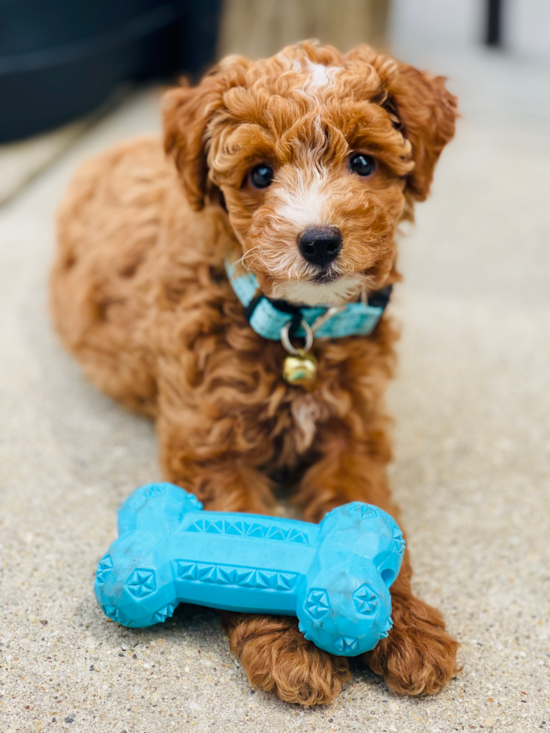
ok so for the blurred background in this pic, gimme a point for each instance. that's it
(63, 62)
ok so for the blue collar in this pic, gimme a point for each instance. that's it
(269, 317)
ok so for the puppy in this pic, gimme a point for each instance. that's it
(289, 175)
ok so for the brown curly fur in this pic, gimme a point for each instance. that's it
(140, 296)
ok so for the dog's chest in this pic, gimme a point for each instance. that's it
(306, 412)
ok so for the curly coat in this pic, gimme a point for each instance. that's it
(140, 296)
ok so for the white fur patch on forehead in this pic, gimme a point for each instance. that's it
(306, 203)
(320, 77)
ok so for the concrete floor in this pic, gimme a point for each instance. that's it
(472, 467)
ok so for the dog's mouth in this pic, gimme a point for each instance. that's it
(325, 277)
(322, 289)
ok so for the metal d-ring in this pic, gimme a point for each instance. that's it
(285, 338)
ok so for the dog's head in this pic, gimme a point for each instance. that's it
(316, 156)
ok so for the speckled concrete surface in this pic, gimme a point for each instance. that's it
(472, 468)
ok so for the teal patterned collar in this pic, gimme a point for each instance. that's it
(270, 318)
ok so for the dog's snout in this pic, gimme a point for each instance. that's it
(320, 245)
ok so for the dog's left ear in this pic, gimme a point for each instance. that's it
(425, 112)
(428, 113)
(188, 113)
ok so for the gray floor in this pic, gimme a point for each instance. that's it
(472, 464)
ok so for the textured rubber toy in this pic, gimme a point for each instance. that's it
(334, 575)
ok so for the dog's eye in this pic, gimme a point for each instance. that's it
(362, 164)
(261, 176)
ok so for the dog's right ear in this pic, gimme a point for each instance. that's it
(188, 113)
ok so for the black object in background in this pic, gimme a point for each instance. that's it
(493, 34)
(60, 59)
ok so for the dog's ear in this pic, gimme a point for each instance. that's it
(428, 114)
(421, 108)
(188, 113)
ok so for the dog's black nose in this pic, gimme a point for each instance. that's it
(320, 245)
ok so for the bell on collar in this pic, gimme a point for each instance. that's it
(300, 369)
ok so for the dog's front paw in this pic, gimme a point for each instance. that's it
(418, 656)
(276, 657)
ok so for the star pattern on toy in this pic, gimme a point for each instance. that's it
(346, 644)
(365, 600)
(387, 628)
(231, 575)
(141, 582)
(104, 569)
(154, 490)
(317, 603)
(115, 614)
(362, 510)
(248, 529)
(398, 537)
(163, 613)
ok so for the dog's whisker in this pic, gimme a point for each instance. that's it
(243, 260)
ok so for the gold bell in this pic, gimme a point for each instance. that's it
(300, 369)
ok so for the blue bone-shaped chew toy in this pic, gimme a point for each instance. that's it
(334, 575)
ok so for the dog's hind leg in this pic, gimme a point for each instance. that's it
(108, 227)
